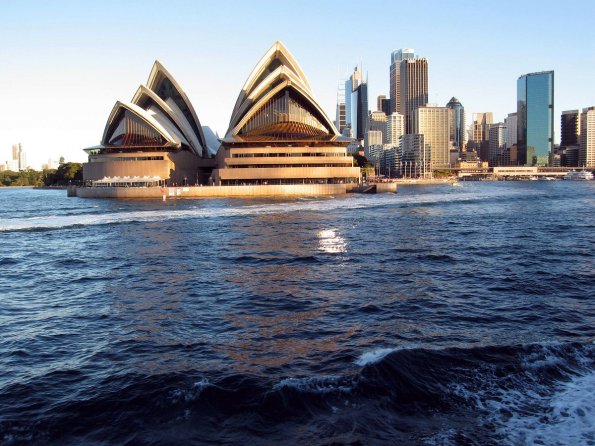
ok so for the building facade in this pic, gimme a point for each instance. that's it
(511, 129)
(569, 128)
(497, 144)
(535, 115)
(587, 138)
(457, 123)
(413, 89)
(396, 58)
(480, 129)
(434, 123)
(395, 128)
(414, 156)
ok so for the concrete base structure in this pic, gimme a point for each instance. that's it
(276, 190)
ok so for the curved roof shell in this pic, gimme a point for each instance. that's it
(276, 72)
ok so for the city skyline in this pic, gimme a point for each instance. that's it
(65, 63)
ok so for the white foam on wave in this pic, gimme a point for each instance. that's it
(186, 395)
(314, 204)
(374, 356)
(314, 384)
(569, 417)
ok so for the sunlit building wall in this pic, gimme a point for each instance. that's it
(535, 114)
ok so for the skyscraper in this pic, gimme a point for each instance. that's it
(569, 128)
(497, 143)
(383, 104)
(458, 122)
(340, 120)
(394, 128)
(511, 129)
(434, 124)
(587, 138)
(480, 133)
(395, 75)
(535, 114)
(413, 91)
(19, 157)
(377, 122)
(358, 104)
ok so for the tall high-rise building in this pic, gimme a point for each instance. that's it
(358, 105)
(497, 143)
(458, 122)
(19, 156)
(535, 114)
(16, 148)
(395, 128)
(377, 122)
(340, 120)
(413, 89)
(351, 84)
(434, 123)
(511, 129)
(383, 104)
(569, 128)
(395, 76)
(587, 138)
(480, 133)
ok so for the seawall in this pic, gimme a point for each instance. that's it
(212, 191)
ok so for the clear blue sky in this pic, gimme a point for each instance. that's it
(65, 63)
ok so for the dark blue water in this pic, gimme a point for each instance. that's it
(440, 315)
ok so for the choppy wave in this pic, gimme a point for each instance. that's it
(526, 394)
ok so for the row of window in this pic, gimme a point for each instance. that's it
(275, 155)
(272, 166)
(288, 181)
(126, 158)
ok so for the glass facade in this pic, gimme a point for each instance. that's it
(535, 114)
(285, 116)
(132, 131)
(458, 124)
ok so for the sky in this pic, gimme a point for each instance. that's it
(64, 64)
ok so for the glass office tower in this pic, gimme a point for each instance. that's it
(535, 115)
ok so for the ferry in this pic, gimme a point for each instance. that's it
(581, 175)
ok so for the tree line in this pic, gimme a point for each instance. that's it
(65, 174)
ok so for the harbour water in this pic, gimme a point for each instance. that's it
(440, 315)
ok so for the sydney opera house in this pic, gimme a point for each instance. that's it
(278, 135)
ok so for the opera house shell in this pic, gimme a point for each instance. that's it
(157, 136)
(278, 135)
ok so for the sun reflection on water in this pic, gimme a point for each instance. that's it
(329, 241)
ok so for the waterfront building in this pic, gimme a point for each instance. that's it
(377, 122)
(535, 114)
(511, 129)
(570, 128)
(389, 161)
(414, 156)
(396, 58)
(373, 138)
(457, 129)
(413, 89)
(395, 127)
(341, 112)
(279, 134)
(497, 144)
(434, 123)
(156, 135)
(587, 138)
(480, 133)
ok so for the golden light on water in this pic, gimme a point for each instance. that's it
(329, 241)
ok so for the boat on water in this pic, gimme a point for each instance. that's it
(579, 175)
